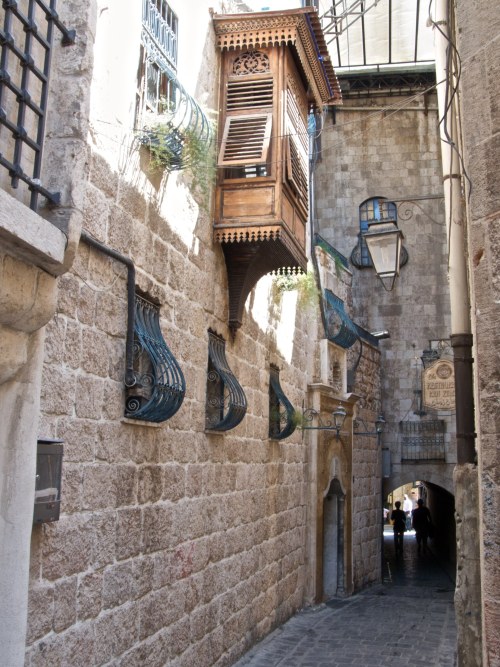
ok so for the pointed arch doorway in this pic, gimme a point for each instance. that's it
(333, 541)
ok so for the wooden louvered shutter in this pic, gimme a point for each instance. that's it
(245, 140)
(296, 169)
(296, 149)
(248, 123)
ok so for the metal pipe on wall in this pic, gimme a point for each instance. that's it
(461, 335)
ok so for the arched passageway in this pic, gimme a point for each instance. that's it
(441, 504)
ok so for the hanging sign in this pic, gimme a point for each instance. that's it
(438, 382)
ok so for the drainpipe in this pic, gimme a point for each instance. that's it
(461, 335)
(130, 379)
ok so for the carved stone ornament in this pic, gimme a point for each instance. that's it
(251, 62)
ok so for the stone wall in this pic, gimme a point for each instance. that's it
(480, 122)
(175, 545)
(389, 147)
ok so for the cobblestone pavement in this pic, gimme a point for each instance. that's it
(407, 620)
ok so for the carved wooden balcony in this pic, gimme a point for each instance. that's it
(275, 69)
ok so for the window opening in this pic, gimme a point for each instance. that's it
(25, 55)
(226, 402)
(281, 412)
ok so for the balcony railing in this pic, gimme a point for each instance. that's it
(160, 32)
(25, 55)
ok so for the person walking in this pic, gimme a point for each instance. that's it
(407, 509)
(422, 524)
(398, 518)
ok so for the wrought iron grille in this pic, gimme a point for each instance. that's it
(226, 401)
(158, 387)
(177, 125)
(26, 43)
(282, 421)
(423, 440)
(341, 330)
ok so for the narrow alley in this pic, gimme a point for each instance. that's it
(408, 620)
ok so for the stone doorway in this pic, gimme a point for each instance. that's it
(333, 541)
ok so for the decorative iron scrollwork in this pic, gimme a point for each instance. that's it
(341, 330)
(226, 401)
(156, 390)
(282, 422)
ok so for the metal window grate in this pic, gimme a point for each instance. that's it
(25, 55)
(282, 421)
(423, 440)
(158, 387)
(226, 401)
(341, 330)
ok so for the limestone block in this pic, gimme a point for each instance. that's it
(113, 443)
(128, 533)
(103, 538)
(174, 482)
(71, 490)
(66, 547)
(89, 596)
(150, 484)
(89, 397)
(58, 391)
(120, 230)
(118, 584)
(40, 612)
(158, 527)
(111, 313)
(159, 609)
(27, 295)
(144, 576)
(116, 632)
(65, 603)
(79, 437)
(95, 212)
(94, 352)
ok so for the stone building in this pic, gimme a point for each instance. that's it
(199, 511)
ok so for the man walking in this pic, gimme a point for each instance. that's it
(422, 524)
(398, 518)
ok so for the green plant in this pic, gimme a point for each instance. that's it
(305, 284)
(173, 149)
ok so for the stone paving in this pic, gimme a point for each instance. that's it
(407, 620)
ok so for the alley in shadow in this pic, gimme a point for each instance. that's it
(407, 620)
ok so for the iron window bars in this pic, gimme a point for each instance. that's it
(156, 388)
(226, 401)
(24, 78)
(423, 440)
(282, 422)
(177, 117)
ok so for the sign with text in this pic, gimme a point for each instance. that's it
(438, 382)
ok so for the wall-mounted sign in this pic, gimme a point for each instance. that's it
(438, 383)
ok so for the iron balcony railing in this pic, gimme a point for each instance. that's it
(25, 57)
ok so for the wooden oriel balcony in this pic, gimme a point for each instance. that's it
(271, 78)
